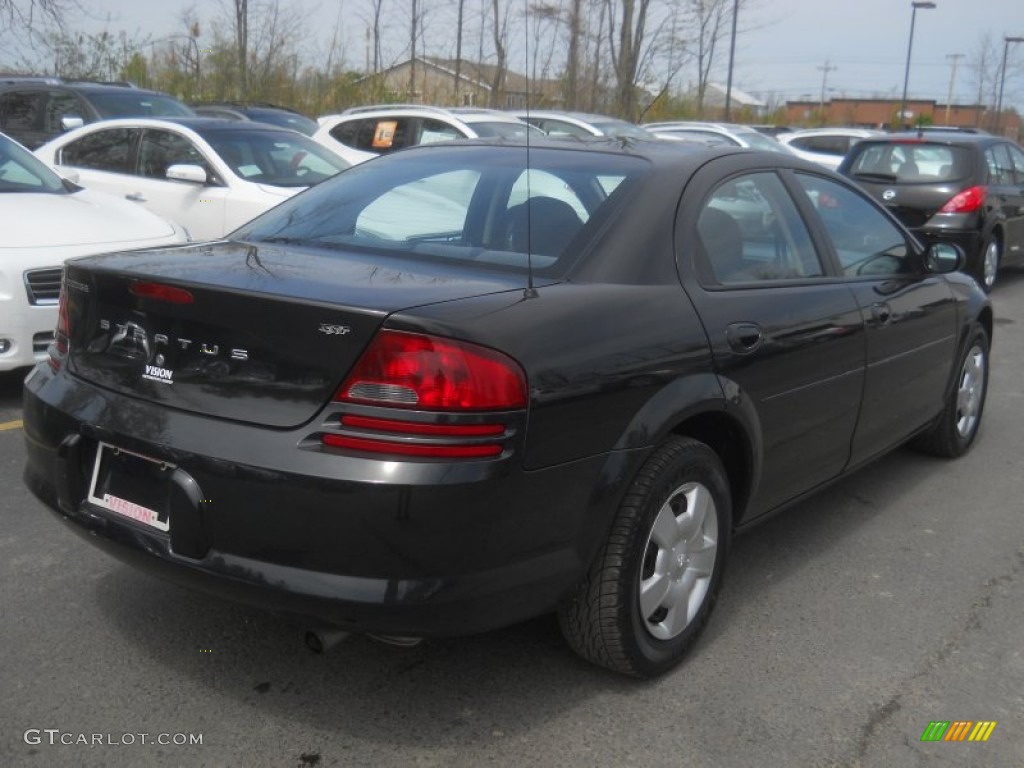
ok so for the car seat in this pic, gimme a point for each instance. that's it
(723, 243)
(545, 228)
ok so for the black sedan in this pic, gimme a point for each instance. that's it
(468, 384)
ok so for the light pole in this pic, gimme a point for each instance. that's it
(732, 56)
(1002, 77)
(910, 45)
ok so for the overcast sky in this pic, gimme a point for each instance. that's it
(782, 48)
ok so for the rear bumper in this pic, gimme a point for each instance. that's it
(422, 556)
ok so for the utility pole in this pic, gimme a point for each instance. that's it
(955, 57)
(824, 79)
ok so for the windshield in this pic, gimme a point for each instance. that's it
(277, 158)
(299, 123)
(622, 128)
(133, 103)
(756, 140)
(473, 205)
(21, 171)
(504, 129)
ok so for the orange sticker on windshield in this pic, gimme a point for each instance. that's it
(384, 136)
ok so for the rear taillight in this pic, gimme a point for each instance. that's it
(412, 370)
(968, 201)
(461, 393)
(59, 348)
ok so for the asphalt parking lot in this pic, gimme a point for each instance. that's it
(847, 625)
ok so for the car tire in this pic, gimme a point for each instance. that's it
(989, 261)
(669, 540)
(954, 431)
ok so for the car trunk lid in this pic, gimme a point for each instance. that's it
(256, 334)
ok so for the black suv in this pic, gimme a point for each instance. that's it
(260, 113)
(34, 110)
(965, 188)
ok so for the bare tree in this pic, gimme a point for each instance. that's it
(710, 22)
(572, 60)
(27, 14)
(499, 29)
(458, 50)
(984, 62)
(627, 35)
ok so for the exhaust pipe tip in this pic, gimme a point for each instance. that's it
(322, 640)
(396, 640)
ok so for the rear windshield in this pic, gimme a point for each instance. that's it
(476, 205)
(918, 162)
(132, 103)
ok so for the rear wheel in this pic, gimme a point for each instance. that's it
(991, 255)
(957, 426)
(651, 589)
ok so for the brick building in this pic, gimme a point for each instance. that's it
(881, 113)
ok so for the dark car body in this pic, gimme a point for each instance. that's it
(35, 110)
(251, 377)
(261, 113)
(945, 186)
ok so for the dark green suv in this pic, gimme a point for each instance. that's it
(34, 110)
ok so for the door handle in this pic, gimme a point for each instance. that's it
(744, 337)
(881, 312)
(135, 197)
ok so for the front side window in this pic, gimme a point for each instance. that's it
(106, 150)
(159, 150)
(751, 231)
(866, 242)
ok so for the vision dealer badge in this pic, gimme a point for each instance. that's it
(156, 373)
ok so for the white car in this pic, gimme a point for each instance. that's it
(361, 133)
(45, 221)
(825, 146)
(580, 124)
(209, 175)
(716, 135)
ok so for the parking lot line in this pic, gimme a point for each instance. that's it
(6, 425)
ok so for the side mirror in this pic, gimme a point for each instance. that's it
(69, 123)
(67, 173)
(942, 258)
(191, 173)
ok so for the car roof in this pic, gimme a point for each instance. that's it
(833, 130)
(85, 86)
(938, 137)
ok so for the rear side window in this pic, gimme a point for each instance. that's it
(1000, 166)
(751, 230)
(21, 111)
(910, 162)
(377, 134)
(108, 150)
(827, 145)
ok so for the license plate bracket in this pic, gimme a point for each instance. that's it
(132, 486)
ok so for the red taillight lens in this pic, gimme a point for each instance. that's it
(59, 349)
(413, 370)
(422, 429)
(968, 201)
(160, 292)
